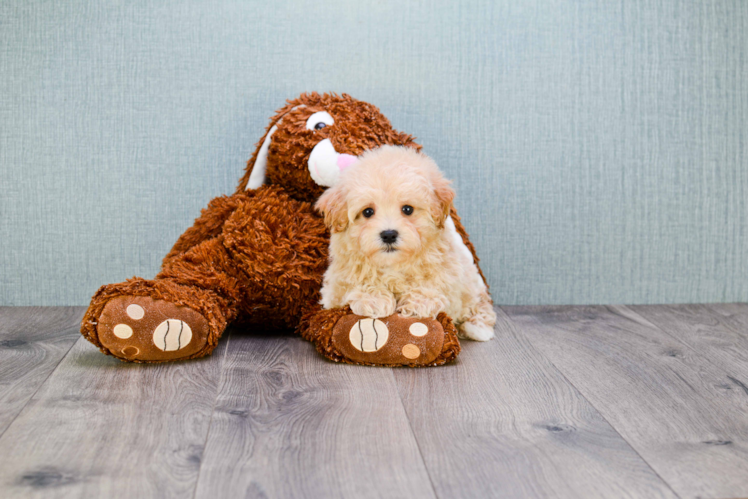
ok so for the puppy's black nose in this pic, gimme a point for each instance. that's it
(389, 236)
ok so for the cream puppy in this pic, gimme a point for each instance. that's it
(394, 247)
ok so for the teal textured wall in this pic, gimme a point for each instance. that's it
(598, 148)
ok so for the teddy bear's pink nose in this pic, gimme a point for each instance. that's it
(345, 161)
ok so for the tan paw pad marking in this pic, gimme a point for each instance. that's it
(135, 311)
(411, 351)
(172, 335)
(130, 351)
(418, 329)
(122, 331)
(369, 335)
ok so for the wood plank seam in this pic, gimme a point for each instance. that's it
(581, 392)
(507, 424)
(282, 409)
(412, 432)
(596, 330)
(41, 385)
(212, 411)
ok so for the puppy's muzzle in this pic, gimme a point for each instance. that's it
(389, 236)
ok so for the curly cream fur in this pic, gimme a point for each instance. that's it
(426, 271)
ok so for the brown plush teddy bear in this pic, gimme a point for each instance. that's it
(258, 257)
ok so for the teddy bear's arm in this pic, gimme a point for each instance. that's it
(207, 226)
(278, 240)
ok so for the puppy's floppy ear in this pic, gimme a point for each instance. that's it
(444, 197)
(333, 206)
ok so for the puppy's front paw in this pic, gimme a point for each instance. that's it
(420, 306)
(475, 331)
(372, 306)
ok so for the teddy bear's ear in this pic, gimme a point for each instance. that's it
(445, 195)
(254, 175)
(333, 206)
(257, 174)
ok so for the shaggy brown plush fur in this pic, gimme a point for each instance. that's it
(258, 256)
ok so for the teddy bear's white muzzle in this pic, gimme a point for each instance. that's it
(325, 164)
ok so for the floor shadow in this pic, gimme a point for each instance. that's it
(250, 330)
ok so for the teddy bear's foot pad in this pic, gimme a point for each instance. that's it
(144, 329)
(390, 341)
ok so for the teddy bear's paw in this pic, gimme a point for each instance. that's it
(145, 329)
(391, 341)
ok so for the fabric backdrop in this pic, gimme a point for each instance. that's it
(598, 148)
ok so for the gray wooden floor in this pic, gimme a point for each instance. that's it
(647, 401)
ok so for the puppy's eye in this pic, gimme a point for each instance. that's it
(407, 210)
(368, 212)
(319, 126)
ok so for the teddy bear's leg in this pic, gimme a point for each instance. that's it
(179, 315)
(340, 335)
